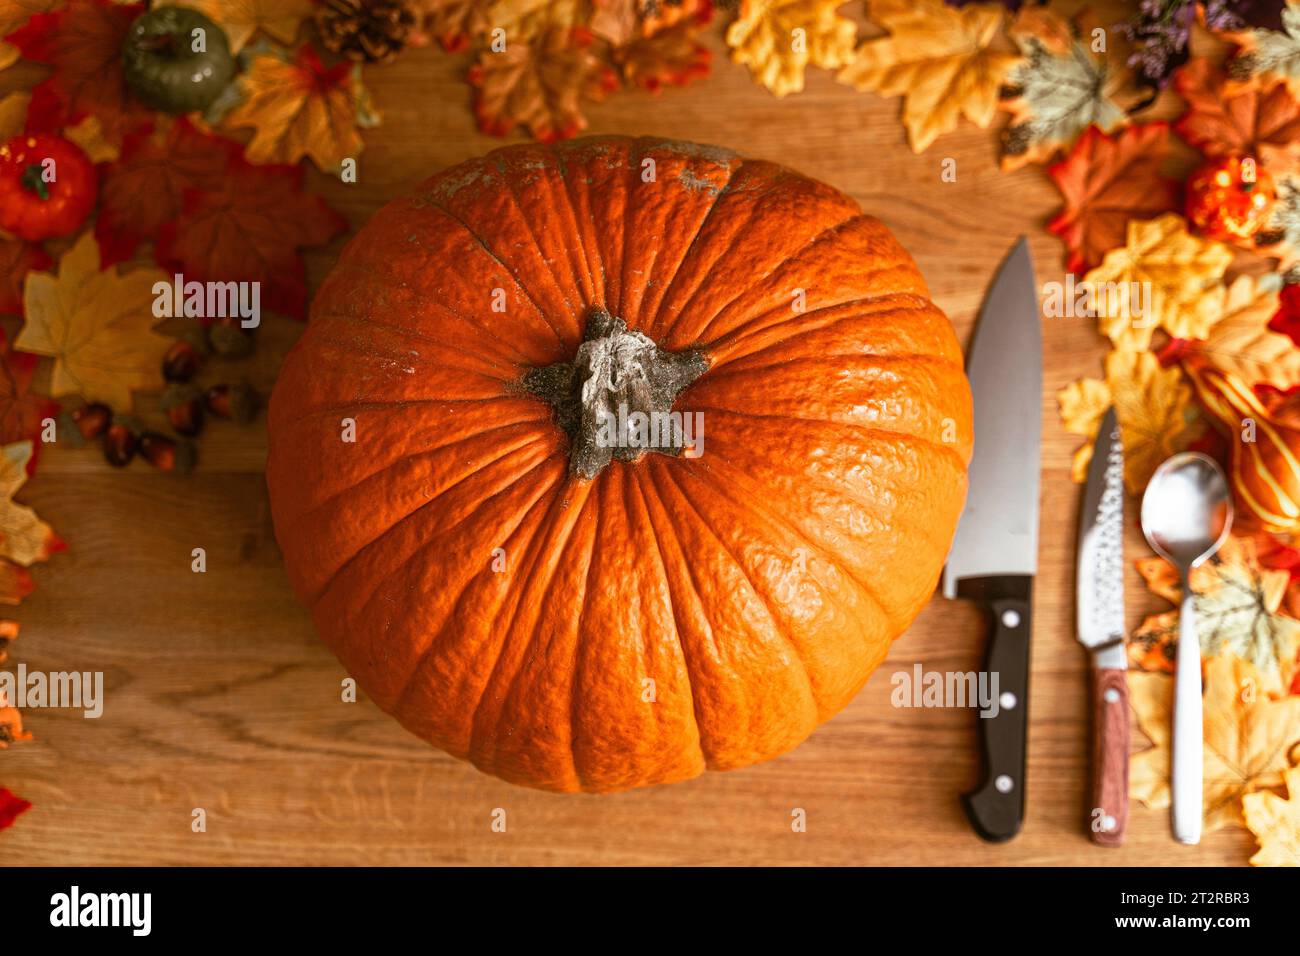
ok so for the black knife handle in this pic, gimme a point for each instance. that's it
(997, 806)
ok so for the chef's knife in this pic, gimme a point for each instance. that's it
(995, 553)
(1099, 605)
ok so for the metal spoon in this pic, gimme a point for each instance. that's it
(1186, 514)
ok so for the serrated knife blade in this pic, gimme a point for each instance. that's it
(1099, 574)
(1099, 613)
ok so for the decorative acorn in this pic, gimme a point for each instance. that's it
(167, 454)
(119, 445)
(184, 407)
(1230, 199)
(368, 31)
(238, 403)
(92, 420)
(1265, 455)
(181, 362)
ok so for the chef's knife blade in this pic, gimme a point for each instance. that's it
(1099, 608)
(995, 553)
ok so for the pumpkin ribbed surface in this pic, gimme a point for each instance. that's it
(671, 613)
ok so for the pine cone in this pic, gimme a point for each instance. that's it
(372, 31)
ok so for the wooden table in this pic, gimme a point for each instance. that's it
(220, 697)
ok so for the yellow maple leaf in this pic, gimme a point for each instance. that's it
(1275, 823)
(940, 59)
(525, 19)
(778, 39)
(24, 538)
(298, 108)
(1153, 406)
(1083, 404)
(97, 326)
(240, 19)
(1163, 276)
(1237, 602)
(1248, 737)
(1241, 342)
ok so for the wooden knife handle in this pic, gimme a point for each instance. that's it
(1108, 811)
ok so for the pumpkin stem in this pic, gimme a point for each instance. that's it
(616, 374)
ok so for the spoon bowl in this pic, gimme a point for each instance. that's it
(1186, 516)
(1187, 509)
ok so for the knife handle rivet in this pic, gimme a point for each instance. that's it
(1007, 700)
(1010, 618)
(1004, 783)
(1108, 823)
(1111, 696)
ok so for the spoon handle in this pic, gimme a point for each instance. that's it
(1188, 754)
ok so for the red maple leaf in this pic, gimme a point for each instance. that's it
(83, 43)
(21, 409)
(11, 808)
(1287, 318)
(17, 258)
(145, 188)
(1106, 181)
(249, 229)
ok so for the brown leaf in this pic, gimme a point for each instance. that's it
(1225, 119)
(1242, 344)
(539, 85)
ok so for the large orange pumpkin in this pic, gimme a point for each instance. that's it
(574, 616)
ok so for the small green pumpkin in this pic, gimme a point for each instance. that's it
(177, 60)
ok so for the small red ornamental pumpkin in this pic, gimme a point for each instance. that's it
(516, 577)
(1230, 199)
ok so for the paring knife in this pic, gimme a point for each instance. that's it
(1100, 618)
(995, 553)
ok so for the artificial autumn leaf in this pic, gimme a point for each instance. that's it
(11, 806)
(1182, 272)
(15, 13)
(1269, 53)
(146, 187)
(1153, 406)
(1275, 822)
(21, 409)
(13, 115)
(1237, 603)
(11, 731)
(764, 38)
(83, 44)
(8, 634)
(299, 108)
(240, 19)
(527, 19)
(97, 326)
(1242, 343)
(939, 59)
(1280, 235)
(248, 227)
(1061, 88)
(1083, 404)
(15, 583)
(89, 135)
(1247, 738)
(539, 85)
(453, 23)
(1108, 181)
(1226, 119)
(668, 56)
(24, 538)
(17, 258)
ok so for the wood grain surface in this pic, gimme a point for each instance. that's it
(220, 697)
